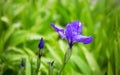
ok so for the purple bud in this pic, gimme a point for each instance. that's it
(41, 44)
(22, 63)
(52, 63)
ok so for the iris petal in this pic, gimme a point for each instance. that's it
(60, 31)
(77, 27)
(68, 33)
(84, 39)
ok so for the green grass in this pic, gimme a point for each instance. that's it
(24, 22)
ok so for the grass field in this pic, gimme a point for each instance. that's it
(24, 22)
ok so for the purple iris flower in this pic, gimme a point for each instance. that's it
(73, 33)
(41, 44)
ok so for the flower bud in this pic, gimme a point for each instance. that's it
(41, 44)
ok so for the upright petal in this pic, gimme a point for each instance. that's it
(68, 33)
(77, 27)
(59, 31)
(84, 39)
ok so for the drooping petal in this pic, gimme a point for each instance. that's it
(60, 31)
(77, 27)
(84, 39)
(68, 33)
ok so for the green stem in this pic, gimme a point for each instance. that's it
(66, 58)
(38, 62)
(22, 71)
(50, 71)
(61, 69)
(51, 68)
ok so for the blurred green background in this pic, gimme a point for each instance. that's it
(24, 22)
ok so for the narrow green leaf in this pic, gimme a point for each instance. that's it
(53, 53)
(92, 62)
(27, 67)
(82, 65)
(110, 69)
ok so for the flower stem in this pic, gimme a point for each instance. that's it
(51, 68)
(38, 62)
(22, 71)
(66, 58)
(22, 67)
